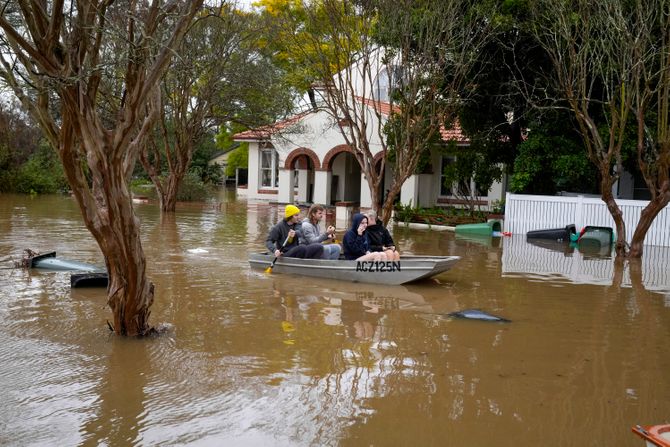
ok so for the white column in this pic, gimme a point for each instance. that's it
(409, 192)
(322, 181)
(253, 181)
(285, 186)
(303, 185)
(365, 198)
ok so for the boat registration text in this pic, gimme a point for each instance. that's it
(377, 266)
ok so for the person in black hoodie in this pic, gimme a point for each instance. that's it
(355, 244)
(283, 239)
(379, 238)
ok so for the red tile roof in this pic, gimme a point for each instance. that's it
(265, 132)
(453, 134)
(383, 107)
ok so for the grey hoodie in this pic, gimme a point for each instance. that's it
(311, 233)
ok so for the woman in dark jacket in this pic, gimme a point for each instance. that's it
(355, 243)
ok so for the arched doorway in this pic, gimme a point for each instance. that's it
(302, 162)
(346, 175)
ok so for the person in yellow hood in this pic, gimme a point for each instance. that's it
(283, 239)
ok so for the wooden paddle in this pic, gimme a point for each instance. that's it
(269, 269)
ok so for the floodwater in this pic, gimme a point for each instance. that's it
(257, 359)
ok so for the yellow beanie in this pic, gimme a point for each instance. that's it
(291, 210)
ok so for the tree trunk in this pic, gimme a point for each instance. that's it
(647, 217)
(110, 217)
(59, 54)
(374, 194)
(387, 208)
(168, 197)
(615, 212)
(129, 293)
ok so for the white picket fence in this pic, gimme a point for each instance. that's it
(524, 213)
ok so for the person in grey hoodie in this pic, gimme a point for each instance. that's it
(311, 233)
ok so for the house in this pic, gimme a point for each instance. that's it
(305, 159)
(220, 158)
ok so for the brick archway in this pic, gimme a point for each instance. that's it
(296, 154)
(328, 159)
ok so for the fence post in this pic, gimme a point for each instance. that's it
(579, 213)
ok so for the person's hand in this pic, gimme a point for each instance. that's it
(277, 253)
(330, 230)
(361, 229)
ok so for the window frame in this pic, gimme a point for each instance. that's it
(272, 169)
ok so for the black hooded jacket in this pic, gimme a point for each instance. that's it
(378, 236)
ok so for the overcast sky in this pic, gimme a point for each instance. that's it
(245, 4)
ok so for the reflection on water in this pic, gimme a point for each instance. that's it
(542, 259)
(271, 359)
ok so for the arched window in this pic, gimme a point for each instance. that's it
(385, 82)
(382, 85)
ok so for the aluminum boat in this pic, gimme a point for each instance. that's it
(407, 269)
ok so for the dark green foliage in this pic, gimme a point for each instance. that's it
(19, 141)
(475, 162)
(238, 158)
(201, 156)
(42, 173)
(552, 158)
(192, 188)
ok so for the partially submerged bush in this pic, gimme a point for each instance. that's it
(192, 188)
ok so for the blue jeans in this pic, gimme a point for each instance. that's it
(311, 251)
(331, 251)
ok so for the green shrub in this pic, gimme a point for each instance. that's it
(41, 174)
(192, 188)
(405, 213)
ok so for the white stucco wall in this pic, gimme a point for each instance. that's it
(429, 187)
(318, 132)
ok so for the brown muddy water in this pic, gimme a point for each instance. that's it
(257, 359)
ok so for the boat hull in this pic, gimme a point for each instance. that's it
(654, 435)
(407, 269)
